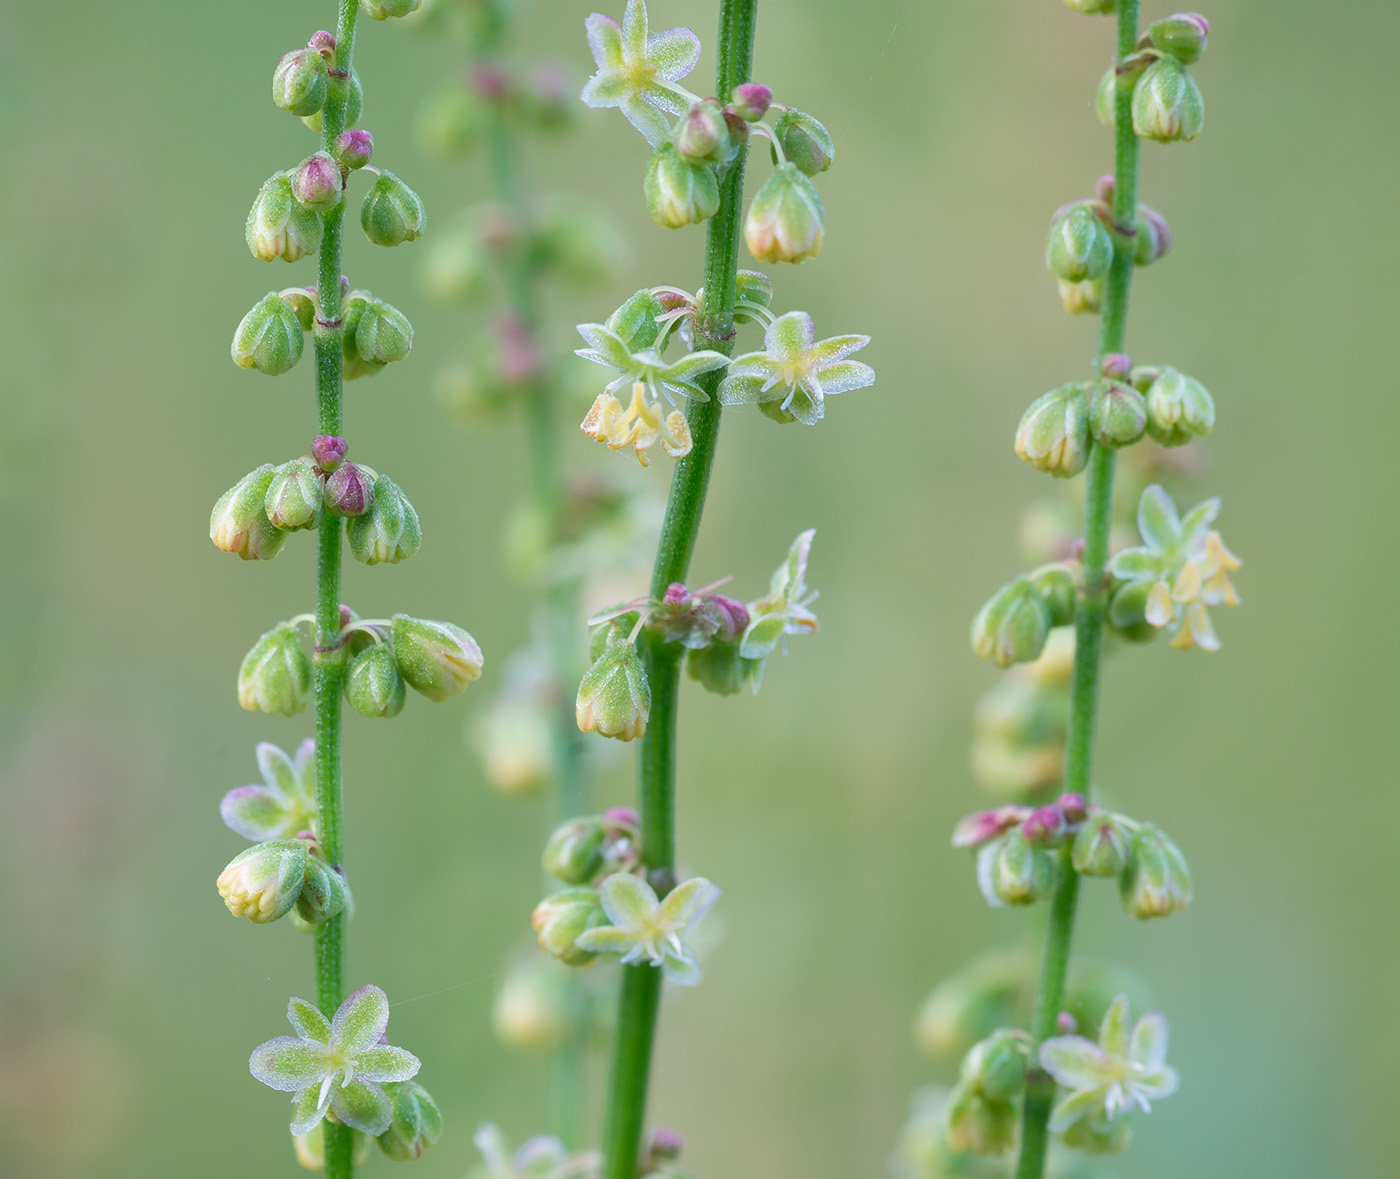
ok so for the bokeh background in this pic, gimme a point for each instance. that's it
(134, 138)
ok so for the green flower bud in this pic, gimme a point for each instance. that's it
(1183, 35)
(786, 220)
(1093, 7)
(264, 882)
(719, 668)
(614, 697)
(391, 212)
(1021, 873)
(324, 892)
(300, 84)
(1059, 586)
(574, 852)
(1127, 611)
(532, 1008)
(382, 333)
(1082, 298)
(277, 226)
(303, 307)
(1167, 103)
(753, 287)
(293, 498)
(1117, 413)
(416, 1122)
(635, 321)
(353, 365)
(702, 135)
(1013, 625)
(269, 338)
(606, 634)
(354, 105)
(1154, 236)
(1079, 246)
(804, 141)
(275, 676)
(678, 191)
(1157, 880)
(1053, 435)
(996, 1067)
(1102, 846)
(436, 658)
(1105, 96)
(239, 524)
(1099, 1134)
(561, 917)
(373, 686)
(1178, 408)
(389, 531)
(384, 9)
(977, 1125)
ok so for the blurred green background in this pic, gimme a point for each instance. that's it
(135, 137)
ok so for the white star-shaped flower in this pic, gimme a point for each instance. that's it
(637, 71)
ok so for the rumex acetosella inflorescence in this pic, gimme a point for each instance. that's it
(1053, 1062)
(347, 1084)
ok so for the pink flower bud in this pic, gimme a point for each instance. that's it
(353, 148)
(1045, 827)
(751, 101)
(317, 182)
(490, 80)
(676, 596)
(348, 491)
(1116, 366)
(1073, 807)
(329, 451)
(324, 44)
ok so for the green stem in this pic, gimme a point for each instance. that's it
(1088, 620)
(714, 328)
(329, 662)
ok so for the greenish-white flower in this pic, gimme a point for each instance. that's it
(284, 804)
(645, 929)
(786, 610)
(796, 370)
(541, 1157)
(637, 71)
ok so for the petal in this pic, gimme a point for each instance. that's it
(1078, 1104)
(684, 392)
(681, 969)
(1149, 1044)
(806, 404)
(1198, 520)
(692, 364)
(1157, 520)
(634, 31)
(836, 348)
(608, 344)
(762, 636)
(605, 40)
(790, 337)
(1158, 1083)
(278, 770)
(647, 119)
(308, 1109)
(385, 1063)
(790, 578)
(606, 939)
(1138, 564)
(288, 1063)
(673, 53)
(687, 903)
(740, 391)
(986, 861)
(753, 364)
(308, 1022)
(1075, 1062)
(257, 813)
(628, 901)
(492, 1145)
(842, 378)
(602, 91)
(1113, 1032)
(361, 1020)
(363, 1106)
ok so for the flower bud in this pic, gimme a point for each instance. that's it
(389, 531)
(275, 676)
(1157, 880)
(349, 490)
(804, 141)
(264, 882)
(384, 9)
(719, 668)
(753, 286)
(1154, 236)
(679, 192)
(1117, 413)
(436, 658)
(303, 306)
(785, 221)
(353, 149)
(1178, 408)
(293, 497)
(574, 852)
(1053, 435)
(1021, 873)
(416, 1122)
(1093, 7)
(354, 105)
(382, 333)
(1099, 1134)
(329, 451)
(391, 212)
(702, 135)
(977, 1125)
(532, 1008)
(373, 686)
(635, 321)
(996, 1067)
(1115, 366)
(1082, 298)
(239, 523)
(750, 101)
(318, 183)
(1073, 806)
(1183, 35)
(1079, 246)
(1059, 586)
(1013, 625)
(561, 917)
(1044, 827)
(300, 83)
(1167, 103)
(324, 892)
(270, 338)
(1127, 611)
(614, 697)
(1101, 848)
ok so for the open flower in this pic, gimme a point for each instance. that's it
(542, 1157)
(1122, 1070)
(336, 1065)
(634, 69)
(786, 610)
(645, 929)
(662, 378)
(796, 370)
(284, 805)
(640, 425)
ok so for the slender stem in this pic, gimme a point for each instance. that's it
(1088, 620)
(714, 328)
(329, 662)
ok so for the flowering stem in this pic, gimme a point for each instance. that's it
(1088, 618)
(714, 328)
(329, 662)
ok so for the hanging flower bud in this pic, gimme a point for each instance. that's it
(1127, 611)
(785, 221)
(679, 192)
(532, 1008)
(384, 9)
(1178, 408)
(349, 491)
(391, 212)
(1079, 246)
(264, 882)
(614, 697)
(324, 892)
(702, 135)
(996, 1067)
(574, 852)
(561, 917)
(1082, 298)
(1154, 236)
(1053, 435)
(1021, 873)
(750, 101)
(293, 497)
(416, 1122)
(329, 452)
(277, 226)
(354, 104)
(317, 182)
(720, 668)
(977, 1125)
(1013, 625)
(239, 524)
(1167, 103)
(373, 686)
(303, 306)
(1117, 413)
(634, 322)
(270, 338)
(1044, 827)
(388, 532)
(753, 286)
(1157, 880)
(323, 41)
(275, 676)
(1058, 584)
(436, 658)
(805, 142)
(353, 149)
(1102, 846)
(383, 334)
(1183, 35)
(300, 83)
